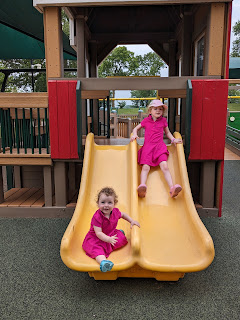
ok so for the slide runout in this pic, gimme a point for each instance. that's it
(173, 238)
(103, 166)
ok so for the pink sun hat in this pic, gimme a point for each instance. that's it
(157, 103)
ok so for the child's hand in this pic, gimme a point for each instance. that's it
(134, 223)
(176, 141)
(113, 240)
(133, 137)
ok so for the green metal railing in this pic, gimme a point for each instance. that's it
(24, 128)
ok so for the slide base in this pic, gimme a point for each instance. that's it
(137, 272)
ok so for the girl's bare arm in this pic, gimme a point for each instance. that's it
(171, 137)
(102, 236)
(130, 220)
(134, 133)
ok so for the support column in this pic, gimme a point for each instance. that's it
(207, 185)
(93, 74)
(47, 178)
(53, 42)
(17, 176)
(172, 72)
(60, 182)
(186, 59)
(215, 63)
(81, 63)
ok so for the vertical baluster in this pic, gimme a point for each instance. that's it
(24, 132)
(98, 118)
(3, 131)
(108, 118)
(39, 131)
(46, 121)
(9, 129)
(104, 120)
(86, 118)
(31, 128)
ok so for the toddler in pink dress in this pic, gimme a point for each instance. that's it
(154, 151)
(103, 237)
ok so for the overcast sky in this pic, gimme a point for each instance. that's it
(143, 49)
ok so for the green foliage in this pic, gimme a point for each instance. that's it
(23, 81)
(142, 94)
(121, 62)
(236, 43)
(122, 104)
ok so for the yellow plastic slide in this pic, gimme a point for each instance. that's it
(172, 239)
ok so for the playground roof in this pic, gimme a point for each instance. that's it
(234, 68)
(22, 32)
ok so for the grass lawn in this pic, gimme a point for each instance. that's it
(234, 106)
(130, 111)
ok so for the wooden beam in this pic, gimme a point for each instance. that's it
(53, 42)
(133, 36)
(40, 4)
(100, 94)
(158, 48)
(102, 54)
(137, 83)
(24, 100)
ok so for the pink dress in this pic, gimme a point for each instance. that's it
(154, 149)
(92, 245)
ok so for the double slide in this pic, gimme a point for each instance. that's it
(172, 239)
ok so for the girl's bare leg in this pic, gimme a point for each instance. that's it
(144, 173)
(100, 258)
(164, 167)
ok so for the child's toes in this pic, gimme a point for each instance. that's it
(106, 265)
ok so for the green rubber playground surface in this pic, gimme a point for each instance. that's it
(36, 285)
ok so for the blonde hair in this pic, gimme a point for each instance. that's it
(149, 109)
(108, 191)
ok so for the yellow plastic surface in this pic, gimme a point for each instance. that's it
(172, 239)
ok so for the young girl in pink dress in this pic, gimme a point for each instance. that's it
(154, 151)
(103, 237)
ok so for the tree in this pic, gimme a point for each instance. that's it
(149, 65)
(142, 94)
(121, 62)
(236, 43)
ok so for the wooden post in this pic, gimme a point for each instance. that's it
(60, 182)
(71, 179)
(172, 72)
(93, 74)
(47, 178)
(215, 63)
(186, 59)
(207, 184)
(53, 42)
(129, 127)
(17, 176)
(81, 63)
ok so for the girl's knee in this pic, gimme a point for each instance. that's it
(164, 166)
(145, 167)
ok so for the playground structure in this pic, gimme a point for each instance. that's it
(190, 37)
(44, 134)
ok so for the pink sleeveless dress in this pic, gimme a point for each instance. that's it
(154, 149)
(92, 245)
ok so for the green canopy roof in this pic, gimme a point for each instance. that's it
(22, 32)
